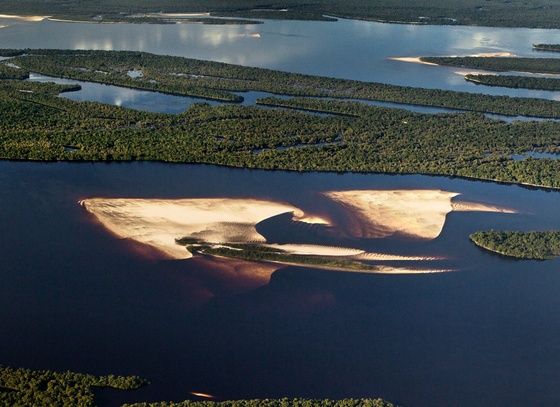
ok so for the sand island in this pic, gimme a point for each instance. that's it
(224, 227)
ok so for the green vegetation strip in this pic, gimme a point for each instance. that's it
(37, 124)
(263, 253)
(529, 13)
(547, 47)
(284, 402)
(502, 64)
(522, 245)
(23, 387)
(514, 81)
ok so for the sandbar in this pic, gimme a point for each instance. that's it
(419, 214)
(158, 222)
(415, 213)
(24, 18)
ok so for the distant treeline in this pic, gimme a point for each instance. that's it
(529, 13)
(515, 81)
(221, 82)
(523, 245)
(547, 47)
(24, 387)
(36, 124)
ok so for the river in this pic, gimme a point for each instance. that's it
(74, 297)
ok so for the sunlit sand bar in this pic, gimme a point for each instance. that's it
(158, 222)
(24, 18)
(416, 213)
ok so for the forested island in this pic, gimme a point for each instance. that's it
(24, 387)
(37, 124)
(500, 63)
(515, 81)
(547, 47)
(550, 66)
(522, 245)
(264, 253)
(531, 13)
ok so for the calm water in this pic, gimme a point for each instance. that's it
(72, 297)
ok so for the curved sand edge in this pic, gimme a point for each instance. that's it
(158, 222)
(416, 213)
(24, 18)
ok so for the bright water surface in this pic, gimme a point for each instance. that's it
(73, 297)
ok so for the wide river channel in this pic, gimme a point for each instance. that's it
(74, 297)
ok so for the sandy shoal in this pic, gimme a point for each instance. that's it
(158, 222)
(24, 18)
(416, 213)
(378, 213)
(338, 251)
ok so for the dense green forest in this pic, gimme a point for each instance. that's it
(511, 13)
(547, 47)
(37, 124)
(24, 387)
(515, 81)
(523, 245)
(285, 402)
(502, 64)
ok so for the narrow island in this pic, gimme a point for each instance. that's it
(522, 245)
(501, 63)
(547, 47)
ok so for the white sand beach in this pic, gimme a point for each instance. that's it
(158, 222)
(417, 213)
(24, 18)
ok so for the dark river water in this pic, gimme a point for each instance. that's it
(74, 297)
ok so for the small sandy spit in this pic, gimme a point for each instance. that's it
(24, 18)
